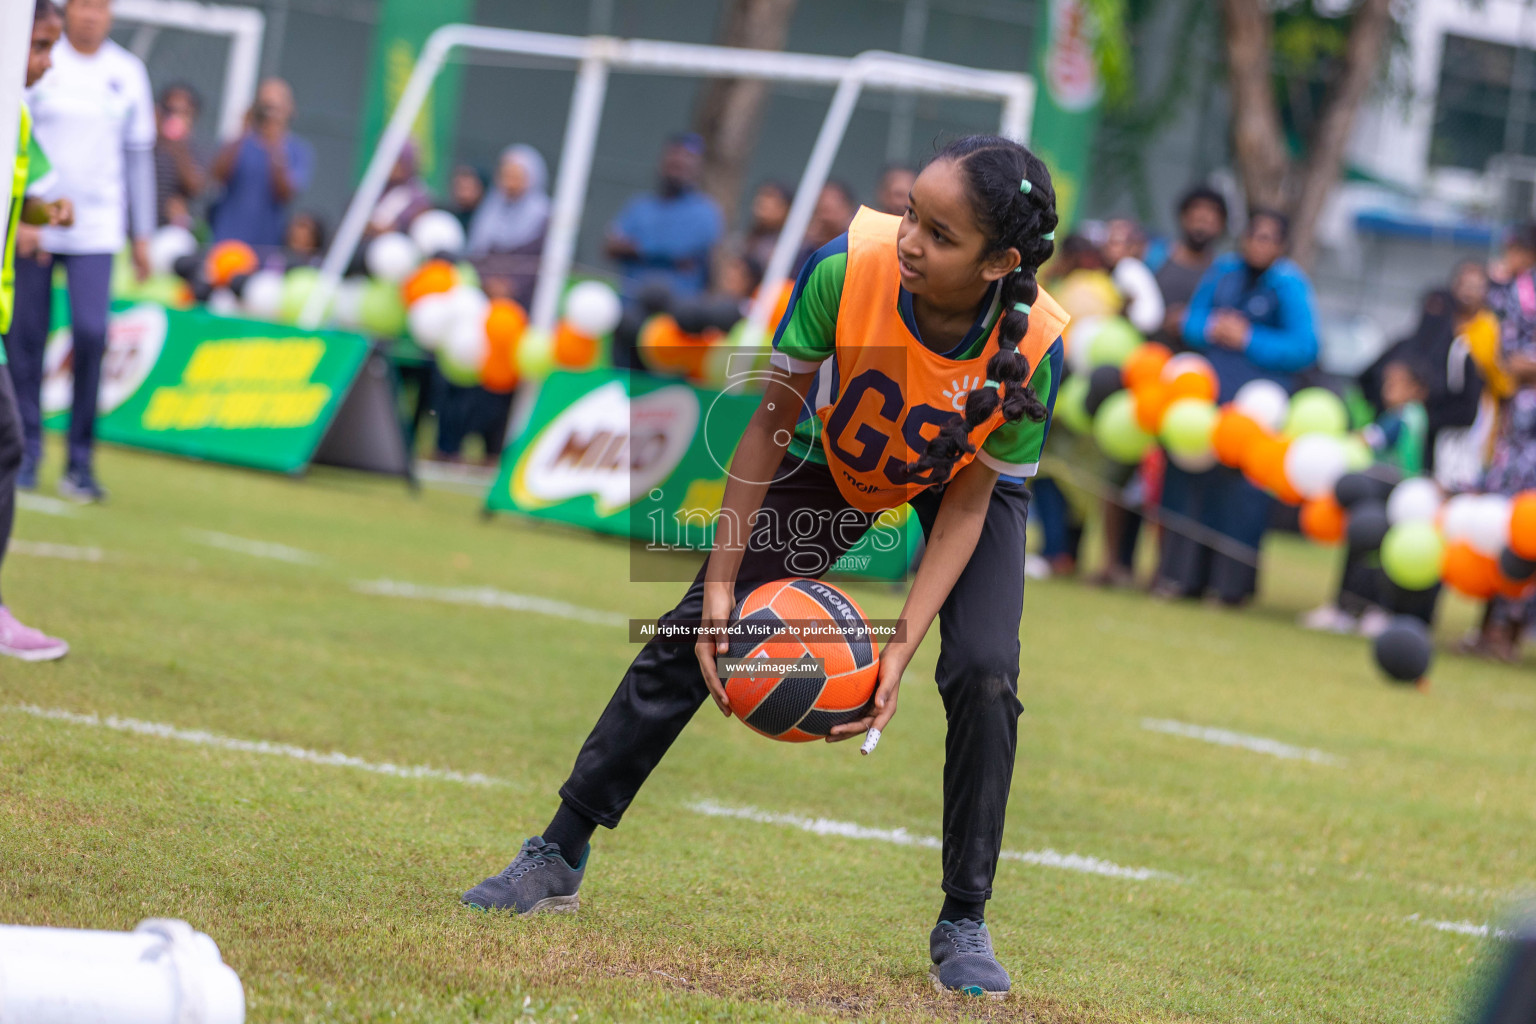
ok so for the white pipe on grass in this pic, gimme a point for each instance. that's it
(162, 972)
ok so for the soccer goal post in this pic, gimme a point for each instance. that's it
(242, 26)
(594, 57)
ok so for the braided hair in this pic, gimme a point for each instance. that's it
(1014, 205)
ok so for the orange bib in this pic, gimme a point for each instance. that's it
(894, 392)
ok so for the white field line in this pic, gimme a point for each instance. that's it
(254, 548)
(209, 739)
(47, 506)
(1227, 738)
(43, 549)
(490, 597)
(901, 837)
(1461, 927)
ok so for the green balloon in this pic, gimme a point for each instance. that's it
(1411, 554)
(1358, 456)
(535, 354)
(1072, 404)
(1316, 411)
(297, 285)
(468, 275)
(1117, 432)
(381, 311)
(1187, 427)
(1113, 342)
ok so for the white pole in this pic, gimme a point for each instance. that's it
(240, 74)
(817, 168)
(571, 185)
(15, 42)
(350, 233)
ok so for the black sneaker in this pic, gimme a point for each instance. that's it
(963, 960)
(80, 486)
(538, 881)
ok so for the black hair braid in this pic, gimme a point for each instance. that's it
(995, 170)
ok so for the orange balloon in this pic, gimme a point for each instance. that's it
(1468, 571)
(1323, 520)
(1522, 525)
(431, 278)
(1152, 400)
(227, 260)
(1144, 365)
(507, 320)
(1234, 432)
(574, 350)
(1264, 466)
(499, 372)
(1189, 375)
(1516, 590)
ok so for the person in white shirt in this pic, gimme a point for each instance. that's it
(94, 116)
(1124, 245)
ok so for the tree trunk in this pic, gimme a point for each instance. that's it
(1258, 140)
(1362, 57)
(730, 109)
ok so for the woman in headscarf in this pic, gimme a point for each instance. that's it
(506, 235)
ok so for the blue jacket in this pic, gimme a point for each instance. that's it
(1281, 309)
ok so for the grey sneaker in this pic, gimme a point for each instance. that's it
(963, 960)
(80, 486)
(538, 881)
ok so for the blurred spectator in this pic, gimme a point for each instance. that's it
(770, 206)
(1124, 245)
(665, 237)
(894, 188)
(1078, 277)
(1202, 223)
(1254, 317)
(465, 191)
(180, 163)
(1460, 461)
(506, 234)
(834, 211)
(304, 240)
(405, 196)
(1400, 434)
(1441, 357)
(94, 115)
(1513, 465)
(262, 171)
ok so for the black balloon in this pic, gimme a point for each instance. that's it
(187, 267)
(1403, 650)
(1516, 568)
(1354, 488)
(1368, 525)
(1102, 382)
(201, 289)
(692, 315)
(237, 284)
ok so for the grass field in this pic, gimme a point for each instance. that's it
(1344, 887)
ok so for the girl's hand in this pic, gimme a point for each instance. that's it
(719, 603)
(882, 708)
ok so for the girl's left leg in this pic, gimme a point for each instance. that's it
(978, 678)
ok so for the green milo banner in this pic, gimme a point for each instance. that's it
(209, 387)
(1067, 104)
(404, 26)
(645, 457)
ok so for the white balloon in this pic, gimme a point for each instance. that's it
(169, 244)
(436, 232)
(263, 295)
(392, 257)
(593, 308)
(1082, 330)
(1489, 524)
(222, 302)
(1460, 514)
(466, 344)
(1314, 463)
(1415, 500)
(429, 319)
(1264, 402)
(347, 301)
